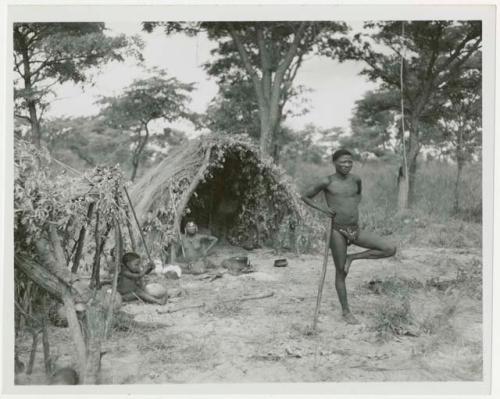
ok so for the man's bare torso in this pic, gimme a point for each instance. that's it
(343, 194)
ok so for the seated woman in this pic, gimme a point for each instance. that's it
(194, 248)
(130, 282)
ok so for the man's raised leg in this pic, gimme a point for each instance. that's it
(377, 248)
(338, 246)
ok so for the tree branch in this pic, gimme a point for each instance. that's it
(458, 51)
(26, 118)
(248, 66)
(243, 53)
(292, 51)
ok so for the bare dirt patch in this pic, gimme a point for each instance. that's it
(413, 327)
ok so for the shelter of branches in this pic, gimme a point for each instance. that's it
(224, 186)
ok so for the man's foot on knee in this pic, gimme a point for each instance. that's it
(347, 265)
(350, 319)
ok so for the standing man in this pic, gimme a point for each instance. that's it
(343, 194)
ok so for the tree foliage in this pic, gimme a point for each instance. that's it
(434, 53)
(44, 197)
(267, 54)
(86, 142)
(46, 54)
(158, 97)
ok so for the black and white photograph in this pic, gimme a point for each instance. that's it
(229, 195)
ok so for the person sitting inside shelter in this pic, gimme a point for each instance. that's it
(130, 280)
(194, 248)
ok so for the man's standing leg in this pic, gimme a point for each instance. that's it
(338, 246)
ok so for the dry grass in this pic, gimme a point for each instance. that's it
(409, 307)
(432, 221)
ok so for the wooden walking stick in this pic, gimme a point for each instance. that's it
(323, 274)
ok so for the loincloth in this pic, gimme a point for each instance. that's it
(349, 231)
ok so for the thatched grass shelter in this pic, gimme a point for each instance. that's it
(224, 186)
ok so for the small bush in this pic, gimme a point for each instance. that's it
(393, 317)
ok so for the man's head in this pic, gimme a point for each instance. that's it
(342, 159)
(191, 227)
(132, 261)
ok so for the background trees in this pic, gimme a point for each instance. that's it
(267, 54)
(141, 103)
(434, 53)
(47, 54)
(460, 121)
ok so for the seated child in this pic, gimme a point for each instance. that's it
(130, 284)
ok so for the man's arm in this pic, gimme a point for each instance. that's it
(212, 241)
(136, 276)
(131, 275)
(312, 191)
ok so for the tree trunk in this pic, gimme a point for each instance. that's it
(119, 250)
(75, 331)
(45, 338)
(73, 323)
(268, 124)
(412, 176)
(81, 240)
(95, 317)
(95, 280)
(28, 87)
(40, 275)
(406, 187)
(456, 200)
(135, 166)
(403, 190)
(36, 134)
(34, 345)
(265, 131)
(138, 152)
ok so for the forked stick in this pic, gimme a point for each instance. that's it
(323, 274)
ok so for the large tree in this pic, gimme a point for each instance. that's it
(46, 54)
(234, 110)
(268, 54)
(158, 97)
(460, 121)
(432, 54)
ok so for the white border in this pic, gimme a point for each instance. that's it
(127, 11)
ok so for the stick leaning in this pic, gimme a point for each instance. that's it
(138, 224)
(323, 274)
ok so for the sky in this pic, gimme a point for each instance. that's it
(333, 87)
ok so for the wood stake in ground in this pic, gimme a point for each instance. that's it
(323, 274)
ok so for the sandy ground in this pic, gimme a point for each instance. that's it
(266, 340)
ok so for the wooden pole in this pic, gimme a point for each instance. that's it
(176, 226)
(138, 224)
(111, 305)
(404, 181)
(323, 274)
(81, 239)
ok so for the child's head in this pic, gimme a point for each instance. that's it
(132, 261)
